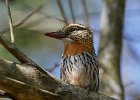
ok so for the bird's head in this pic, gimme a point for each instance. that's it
(76, 37)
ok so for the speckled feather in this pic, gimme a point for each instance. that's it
(79, 65)
(81, 70)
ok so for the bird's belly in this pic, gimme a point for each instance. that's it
(75, 71)
(79, 78)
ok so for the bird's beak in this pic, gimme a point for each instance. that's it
(57, 35)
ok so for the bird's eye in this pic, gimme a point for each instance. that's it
(74, 30)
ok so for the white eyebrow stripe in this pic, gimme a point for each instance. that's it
(76, 25)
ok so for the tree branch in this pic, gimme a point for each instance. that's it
(72, 11)
(42, 13)
(28, 16)
(10, 21)
(16, 89)
(109, 57)
(85, 13)
(27, 74)
(62, 11)
(53, 67)
(13, 77)
(18, 24)
(11, 47)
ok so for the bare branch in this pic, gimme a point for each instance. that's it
(28, 16)
(86, 17)
(47, 16)
(111, 40)
(129, 84)
(133, 52)
(53, 68)
(18, 24)
(62, 11)
(15, 88)
(13, 77)
(11, 47)
(131, 39)
(72, 11)
(27, 74)
(10, 21)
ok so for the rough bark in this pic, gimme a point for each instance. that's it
(110, 47)
(25, 82)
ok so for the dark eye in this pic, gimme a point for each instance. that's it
(74, 29)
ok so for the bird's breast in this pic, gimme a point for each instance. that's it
(76, 69)
(76, 48)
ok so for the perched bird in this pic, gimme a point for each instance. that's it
(79, 65)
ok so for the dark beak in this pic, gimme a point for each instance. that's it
(57, 35)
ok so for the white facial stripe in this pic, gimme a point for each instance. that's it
(75, 25)
(67, 40)
(78, 25)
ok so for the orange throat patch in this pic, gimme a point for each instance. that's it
(77, 48)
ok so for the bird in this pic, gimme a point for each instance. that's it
(79, 64)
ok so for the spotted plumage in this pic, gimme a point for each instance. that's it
(78, 70)
(79, 64)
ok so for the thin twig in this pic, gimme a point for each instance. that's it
(86, 17)
(131, 39)
(62, 11)
(48, 16)
(72, 11)
(42, 13)
(18, 24)
(28, 16)
(129, 84)
(10, 21)
(51, 69)
(133, 52)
